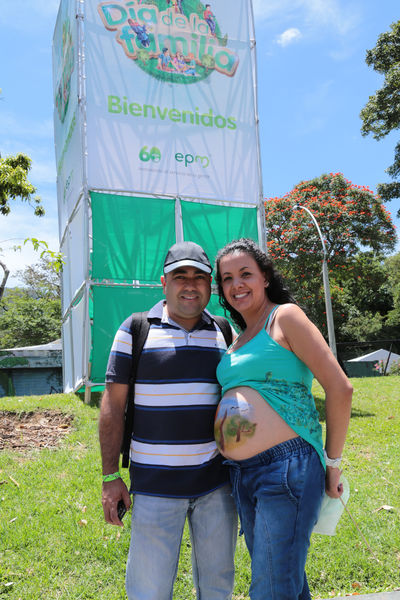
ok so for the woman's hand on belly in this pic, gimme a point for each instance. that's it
(245, 424)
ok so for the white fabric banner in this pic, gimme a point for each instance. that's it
(170, 99)
(79, 317)
(74, 249)
(67, 131)
(75, 347)
(68, 361)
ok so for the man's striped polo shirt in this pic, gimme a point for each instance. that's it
(173, 451)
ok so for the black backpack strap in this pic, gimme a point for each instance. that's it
(139, 330)
(225, 328)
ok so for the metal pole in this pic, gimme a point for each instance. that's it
(262, 237)
(325, 279)
(388, 358)
(178, 220)
(328, 307)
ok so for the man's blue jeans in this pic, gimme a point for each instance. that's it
(157, 528)
(278, 495)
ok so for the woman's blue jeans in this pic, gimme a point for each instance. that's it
(278, 494)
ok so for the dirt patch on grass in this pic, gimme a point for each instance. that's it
(41, 429)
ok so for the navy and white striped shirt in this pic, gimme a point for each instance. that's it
(173, 452)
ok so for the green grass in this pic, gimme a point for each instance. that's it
(47, 552)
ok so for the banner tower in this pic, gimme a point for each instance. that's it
(156, 141)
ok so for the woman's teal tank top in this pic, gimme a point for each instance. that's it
(281, 378)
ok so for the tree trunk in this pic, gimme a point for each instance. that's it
(222, 437)
(5, 277)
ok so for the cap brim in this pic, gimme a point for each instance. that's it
(187, 263)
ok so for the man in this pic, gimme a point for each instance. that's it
(141, 32)
(209, 18)
(176, 470)
(164, 59)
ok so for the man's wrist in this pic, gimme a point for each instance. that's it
(111, 477)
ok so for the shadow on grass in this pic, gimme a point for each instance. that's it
(355, 412)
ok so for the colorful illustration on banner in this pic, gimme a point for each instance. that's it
(178, 41)
(68, 62)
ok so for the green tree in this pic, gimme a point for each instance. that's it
(14, 184)
(143, 56)
(54, 260)
(6, 273)
(27, 321)
(381, 114)
(362, 299)
(357, 230)
(392, 265)
(31, 315)
(42, 280)
(208, 62)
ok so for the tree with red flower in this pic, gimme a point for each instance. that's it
(357, 231)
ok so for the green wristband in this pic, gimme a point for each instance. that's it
(112, 477)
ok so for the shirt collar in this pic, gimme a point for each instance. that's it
(159, 312)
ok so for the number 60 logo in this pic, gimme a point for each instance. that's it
(153, 154)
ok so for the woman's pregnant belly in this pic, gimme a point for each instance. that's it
(245, 424)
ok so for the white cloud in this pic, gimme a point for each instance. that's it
(289, 36)
(34, 138)
(342, 53)
(44, 172)
(275, 9)
(315, 109)
(16, 227)
(43, 8)
(14, 126)
(336, 15)
(48, 8)
(319, 95)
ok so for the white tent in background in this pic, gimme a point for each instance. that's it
(378, 355)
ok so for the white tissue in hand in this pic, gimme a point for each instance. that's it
(331, 511)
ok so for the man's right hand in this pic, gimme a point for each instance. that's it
(111, 430)
(113, 492)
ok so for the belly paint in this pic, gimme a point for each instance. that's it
(234, 422)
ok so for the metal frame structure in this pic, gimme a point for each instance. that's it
(77, 337)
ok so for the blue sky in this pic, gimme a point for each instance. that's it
(312, 83)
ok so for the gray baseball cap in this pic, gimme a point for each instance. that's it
(186, 254)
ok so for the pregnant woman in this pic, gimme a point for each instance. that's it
(267, 425)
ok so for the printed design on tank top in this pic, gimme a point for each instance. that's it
(299, 409)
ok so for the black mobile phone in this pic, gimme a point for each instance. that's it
(121, 509)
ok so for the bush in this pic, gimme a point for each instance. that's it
(395, 368)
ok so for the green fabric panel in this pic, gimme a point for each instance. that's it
(214, 226)
(131, 236)
(93, 388)
(91, 321)
(215, 308)
(111, 306)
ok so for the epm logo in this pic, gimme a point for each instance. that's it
(188, 159)
(154, 155)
